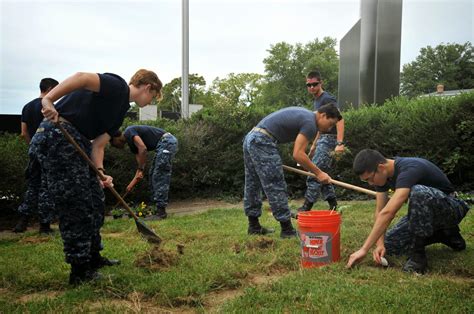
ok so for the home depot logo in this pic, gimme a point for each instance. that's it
(316, 246)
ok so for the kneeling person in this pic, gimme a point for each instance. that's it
(434, 211)
(263, 165)
(141, 139)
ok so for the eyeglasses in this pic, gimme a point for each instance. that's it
(312, 84)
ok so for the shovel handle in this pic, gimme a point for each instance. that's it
(341, 184)
(92, 165)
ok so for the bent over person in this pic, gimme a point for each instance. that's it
(92, 109)
(263, 165)
(141, 139)
(434, 211)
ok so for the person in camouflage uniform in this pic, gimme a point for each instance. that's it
(434, 210)
(325, 145)
(263, 165)
(91, 108)
(36, 197)
(141, 139)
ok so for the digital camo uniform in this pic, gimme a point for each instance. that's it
(160, 170)
(323, 159)
(429, 210)
(36, 196)
(75, 189)
(263, 170)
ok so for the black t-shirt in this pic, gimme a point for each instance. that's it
(32, 116)
(149, 135)
(411, 171)
(285, 124)
(323, 99)
(94, 113)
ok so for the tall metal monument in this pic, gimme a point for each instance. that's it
(369, 69)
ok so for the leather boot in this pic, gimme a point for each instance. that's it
(453, 238)
(256, 229)
(160, 214)
(306, 206)
(98, 261)
(417, 261)
(22, 224)
(82, 273)
(45, 228)
(332, 203)
(287, 230)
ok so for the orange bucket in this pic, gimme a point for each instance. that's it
(320, 237)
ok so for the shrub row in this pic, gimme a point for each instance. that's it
(209, 162)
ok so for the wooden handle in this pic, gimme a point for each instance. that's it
(92, 165)
(341, 184)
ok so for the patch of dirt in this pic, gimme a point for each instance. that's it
(158, 258)
(35, 239)
(260, 243)
(39, 296)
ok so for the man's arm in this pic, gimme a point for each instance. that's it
(141, 162)
(97, 156)
(299, 154)
(80, 80)
(340, 135)
(24, 133)
(383, 219)
(312, 150)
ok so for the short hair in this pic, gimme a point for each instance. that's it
(314, 74)
(331, 111)
(367, 160)
(47, 83)
(143, 77)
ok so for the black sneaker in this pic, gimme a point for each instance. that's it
(45, 228)
(306, 206)
(22, 224)
(452, 238)
(416, 263)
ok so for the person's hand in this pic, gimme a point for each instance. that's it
(138, 177)
(356, 257)
(339, 149)
(378, 253)
(48, 110)
(107, 183)
(139, 174)
(312, 151)
(323, 178)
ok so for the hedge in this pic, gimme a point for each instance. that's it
(209, 162)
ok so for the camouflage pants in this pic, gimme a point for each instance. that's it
(160, 170)
(74, 188)
(323, 159)
(429, 210)
(263, 171)
(36, 197)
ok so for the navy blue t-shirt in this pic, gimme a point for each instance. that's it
(285, 124)
(32, 116)
(149, 135)
(96, 113)
(323, 99)
(410, 171)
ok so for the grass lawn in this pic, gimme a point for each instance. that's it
(224, 270)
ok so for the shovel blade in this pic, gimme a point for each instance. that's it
(147, 232)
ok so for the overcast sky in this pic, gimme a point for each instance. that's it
(58, 38)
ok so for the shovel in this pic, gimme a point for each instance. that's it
(144, 230)
(341, 184)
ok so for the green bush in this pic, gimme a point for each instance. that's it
(209, 161)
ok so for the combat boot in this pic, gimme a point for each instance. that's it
(22, 224)
(287, 230)
(452, 238)
(45, 228)
(332, 203)
(417, 261)
(256, 229)
(82, 273)
(160, 214)
(98, 261)
(306, 206)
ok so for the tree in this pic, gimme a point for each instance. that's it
(286, 68)
(451, 65)
(241, 89)
(172, 93)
